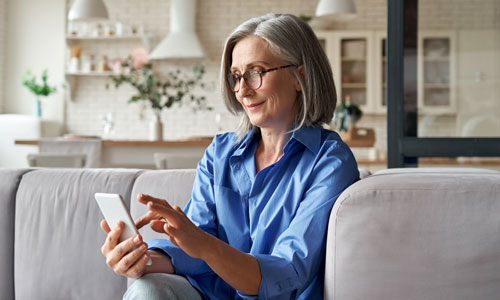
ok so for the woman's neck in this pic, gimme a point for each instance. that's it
(270, 147)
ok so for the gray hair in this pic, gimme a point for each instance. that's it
(294, 41)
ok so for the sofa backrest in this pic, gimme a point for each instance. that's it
(9, 182)
(57, 235)
(416, 234)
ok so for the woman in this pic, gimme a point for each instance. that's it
(255, 225)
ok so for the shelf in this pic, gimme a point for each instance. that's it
(437, 59)
(349, 85)
(89, 73)
(353, 59)
(104, 38)
(436, 85)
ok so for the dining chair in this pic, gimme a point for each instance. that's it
(57, 160)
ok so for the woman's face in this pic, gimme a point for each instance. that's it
(273, 105)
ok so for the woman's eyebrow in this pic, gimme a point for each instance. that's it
(252, 64)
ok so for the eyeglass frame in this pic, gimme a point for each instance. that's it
(242, 76)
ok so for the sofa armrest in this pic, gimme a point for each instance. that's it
(416, 234)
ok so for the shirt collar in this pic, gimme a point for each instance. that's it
(309, 137)
(243, 145)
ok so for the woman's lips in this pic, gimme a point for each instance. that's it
(254, 105)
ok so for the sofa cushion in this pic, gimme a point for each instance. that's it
(9, 181)
(57, 234)
(416, 234)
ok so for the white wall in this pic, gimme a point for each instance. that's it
(34, 40)
(3, 15)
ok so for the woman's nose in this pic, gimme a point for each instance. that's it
(244, 87)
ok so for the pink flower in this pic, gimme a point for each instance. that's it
(138, 58)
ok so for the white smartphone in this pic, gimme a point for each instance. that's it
(114, 209)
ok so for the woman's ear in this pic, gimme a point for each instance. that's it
(300, 68)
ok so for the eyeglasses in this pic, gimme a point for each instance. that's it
(252, 78)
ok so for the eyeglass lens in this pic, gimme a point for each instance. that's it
(252, 79)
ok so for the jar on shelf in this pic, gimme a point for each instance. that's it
(88, 64)
(102, 64)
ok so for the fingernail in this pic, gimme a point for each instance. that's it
(144, 247)
(136, 239)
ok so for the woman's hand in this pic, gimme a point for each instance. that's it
(128, 258)
(180, 230)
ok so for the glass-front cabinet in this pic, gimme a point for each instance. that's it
(358, 67)
(436, 72)
(359, 59)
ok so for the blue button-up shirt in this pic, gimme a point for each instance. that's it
(279, 215)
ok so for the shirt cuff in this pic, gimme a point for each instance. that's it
(183, 263)
(278, 277)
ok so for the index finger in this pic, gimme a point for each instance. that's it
(144, 199)
(145, 219)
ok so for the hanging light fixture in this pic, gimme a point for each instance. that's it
(340, 10)
(88, 10)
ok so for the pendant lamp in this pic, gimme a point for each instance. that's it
(340, 10)
(88, 10)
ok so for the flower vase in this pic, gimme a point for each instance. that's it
(38, 108)
(156, 127)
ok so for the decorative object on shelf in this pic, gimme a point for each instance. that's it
(74, 62)
(108, 125)
(181, 41)
(158, 92)
(340, 10)
(88, 10)
(346, 115)
(40, 90)
(156, 127)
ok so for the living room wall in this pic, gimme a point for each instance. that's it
(3, 16)
(34, 39)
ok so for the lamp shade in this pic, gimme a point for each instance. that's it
(88, 10)
(336, 9)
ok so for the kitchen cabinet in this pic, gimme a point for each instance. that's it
(359, 59)
(358, 63)
(436, 72)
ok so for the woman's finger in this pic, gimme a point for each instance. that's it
(130, 258)
(105, 226)
(137, 269)
(113, 237)
(122, 249)
(144, 199)
(172, 233)
(157, 226)
(168, 213)
(145, 219)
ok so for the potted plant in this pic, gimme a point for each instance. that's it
(40, 90)
(159, 93)
(346, 115)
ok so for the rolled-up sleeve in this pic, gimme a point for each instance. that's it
(299, 253)
(201, 211)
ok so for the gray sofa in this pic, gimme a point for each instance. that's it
(397, 234)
